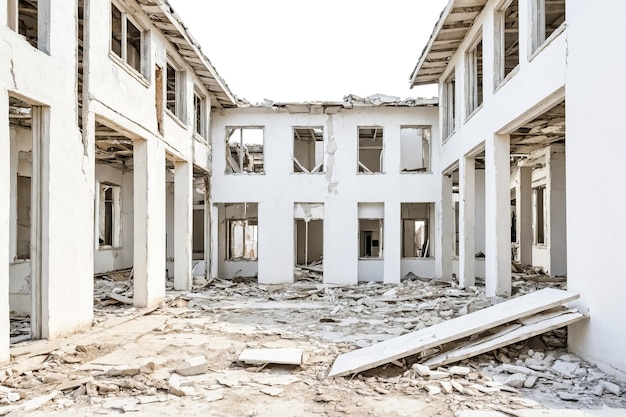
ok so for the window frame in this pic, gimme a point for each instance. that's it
(474, 84)
(230, 223)
(500, 78)
(43, 23)
(449, 123)
(359, 164)
(202, 130)
(116, 216)
(143, 72)
(428, 167)
(317, 169)
(538, 27)
(179, 113)
(540, 228)
(228, 154)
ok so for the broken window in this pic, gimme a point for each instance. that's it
(415, 149)
(507, 40)
(474, 85)
(244, 150)
(200, 114)
(24, 191)
(540, 215)
(127, 39)
(449, 106)
(175, 92)
(548, 16)
(29, 19)
(241, 231)
(309, 238)
(370, 150)
(308, 149)
(109, 216)
(370, 238)
(416, 220)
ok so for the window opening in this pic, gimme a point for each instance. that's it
(308, 149)
(199, 110)
(126, 39)
(548, 16)
(415, 149)
(416, 230)
(507, 52)
(449, 124)
(244, 150)
(370, 150)
(371, 238)
(540, 216)
(109, 216)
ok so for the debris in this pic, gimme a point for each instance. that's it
(610, 387)
(516, 380)
(447, 331)
(272, 391)
(278, 356)
(192, 366)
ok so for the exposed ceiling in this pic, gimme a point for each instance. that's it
(545, 130)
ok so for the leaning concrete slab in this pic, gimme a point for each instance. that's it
(477, 322)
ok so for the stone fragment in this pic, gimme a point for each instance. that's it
(530, 381)
(13, 396)
(610, 387)
(433, 389)
(459, 370)
(422, 370)
(472, 376)
(597, 390)
(565, 369)
(53, 377)
(176, 385)
(147, 368)
(192, 366)
(516, 380)
(446, 387)
(516, 369)
(457, 386)
(272, 391)
(438, 375)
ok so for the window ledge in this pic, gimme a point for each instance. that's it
(548, 41)
(309, 173)
(416, 172)
(200, 138)
(130, 70)
(447, 138)
(176, 119)
(109, 248)
(419, 258)
(371, 259)
(506, 79)
(370, 173)
(242, 260)
(245, 173)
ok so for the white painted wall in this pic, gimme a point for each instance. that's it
(340, 188)
(595, 201)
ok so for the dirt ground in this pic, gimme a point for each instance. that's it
(126, 362)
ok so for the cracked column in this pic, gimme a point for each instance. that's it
(497, 213)
(446, 221)
(467, 222)
(149, 219)
(5, 198)
(183, 224)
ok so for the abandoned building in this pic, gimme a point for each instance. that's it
(122, 148)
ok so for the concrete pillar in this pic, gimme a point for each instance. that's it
(212, 250)
(275, 242)
(5, 198)
(183, 224)
(524, 214)
(446, 222)
(497, 213)
(208, 230)
(392, 246)
(149, 222)
(341, 243)
(467, 218)
(557, 227)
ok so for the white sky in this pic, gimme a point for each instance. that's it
(306, 50)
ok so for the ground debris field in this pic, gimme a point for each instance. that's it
(183, 359)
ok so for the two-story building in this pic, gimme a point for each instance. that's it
(530, 94)
(348, 190)
(105, 154)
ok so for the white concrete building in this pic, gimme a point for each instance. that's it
(351, 184)
(530, 94)
(107, 113)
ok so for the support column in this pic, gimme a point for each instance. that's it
(392, 246)
(183, 224)
(497, 213)
(212, 250)
(524, 214)
(446, 222)
(467, 232)
(149, 223)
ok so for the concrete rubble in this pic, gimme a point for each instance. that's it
(189, 349)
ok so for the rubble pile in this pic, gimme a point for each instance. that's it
(189, 351)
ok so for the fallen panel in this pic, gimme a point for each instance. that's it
(522, 333)
(281, 356)
(447, 331)
(606, 412)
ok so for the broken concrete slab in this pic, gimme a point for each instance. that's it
(450, 330)
(282, 356)
(192, 366)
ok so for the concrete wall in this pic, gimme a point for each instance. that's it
(595, 149)
(340, 188)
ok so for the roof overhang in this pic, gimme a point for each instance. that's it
(453, 24)
(164, 18)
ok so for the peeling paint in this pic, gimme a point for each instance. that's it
(331, 149)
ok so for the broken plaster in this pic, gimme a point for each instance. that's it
(331, 149)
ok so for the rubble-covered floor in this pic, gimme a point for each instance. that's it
(126, 362)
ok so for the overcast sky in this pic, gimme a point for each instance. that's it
(306, 50)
